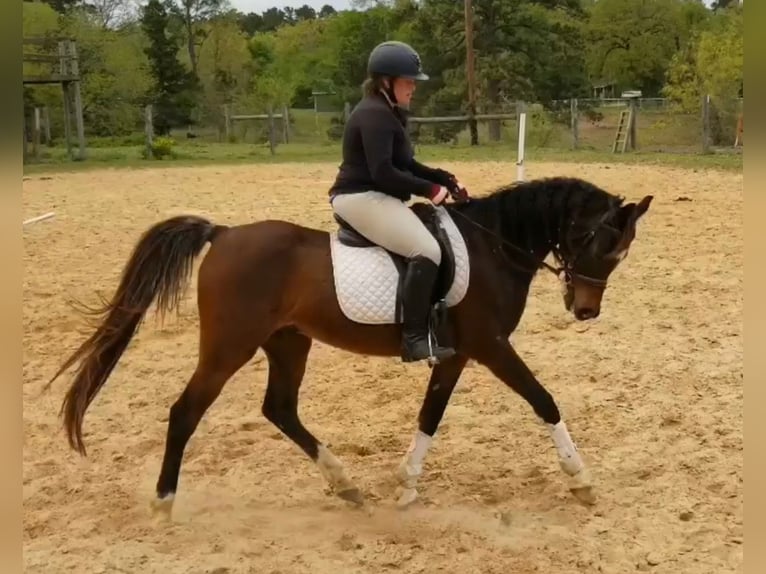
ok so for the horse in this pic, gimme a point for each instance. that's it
(277, 286)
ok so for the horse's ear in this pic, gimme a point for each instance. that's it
(630, 213)
(628, 217)
(642, 207)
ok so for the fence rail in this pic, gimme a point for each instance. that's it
(450, 119)
(571, 124)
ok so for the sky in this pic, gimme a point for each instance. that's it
(259, 6)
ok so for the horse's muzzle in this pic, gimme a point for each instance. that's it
(586, 313)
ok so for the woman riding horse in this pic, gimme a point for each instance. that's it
(379, 175)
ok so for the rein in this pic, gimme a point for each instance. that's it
(565, 267)
(556, 271)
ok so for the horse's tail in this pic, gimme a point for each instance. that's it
(159, 268)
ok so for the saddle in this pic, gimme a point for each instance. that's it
(350, 237)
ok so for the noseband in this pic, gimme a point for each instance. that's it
(567, 274)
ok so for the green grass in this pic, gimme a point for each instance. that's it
(197, 153)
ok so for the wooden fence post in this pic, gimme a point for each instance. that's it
(706, 123)
(47, 125)
(25, 148)
(36, 133)
(75, 70)
(226, 123)
(285, 124)
(272, 135)
(67, 93)
(574, 119)
(740, 129)
(149, 131)
(633, 119)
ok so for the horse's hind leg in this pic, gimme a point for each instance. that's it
(444, 377)
(216, 366)
(287, 351)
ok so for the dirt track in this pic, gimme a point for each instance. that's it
(652, 393)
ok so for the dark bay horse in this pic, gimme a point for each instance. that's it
(269, 285)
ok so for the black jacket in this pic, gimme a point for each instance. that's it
(378, 154)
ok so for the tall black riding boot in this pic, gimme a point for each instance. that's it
(416, 307)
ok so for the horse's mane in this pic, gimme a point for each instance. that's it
(537, 212)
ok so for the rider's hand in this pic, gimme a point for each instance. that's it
(458, 192)
(450, 181)
(443, 177)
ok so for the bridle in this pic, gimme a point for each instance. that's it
(565, 271)
(568, 267)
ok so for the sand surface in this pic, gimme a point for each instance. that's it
(652, 392)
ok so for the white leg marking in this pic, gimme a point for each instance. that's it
(332, 470)
(162, 508)
(569, 458)
(572, 464)
(411, 467)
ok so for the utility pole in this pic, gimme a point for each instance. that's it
(469, 73)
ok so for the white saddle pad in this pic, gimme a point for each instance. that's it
(366, 279)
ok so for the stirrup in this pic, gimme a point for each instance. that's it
(432, 358)
(434, 353)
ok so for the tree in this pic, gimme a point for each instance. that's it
(273, 18)
(224, 64)
(194, 13)
(114, 72)
(524, 50)
(326, 11)
(174, 85)
(350, 37)
(195, 55)
(61, 6)
(110, 13)
(713, 64)
(723, 4)
(305, 12)
(631, 43)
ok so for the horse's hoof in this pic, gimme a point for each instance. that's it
(162, 508)
(584, 494)
(353, 495)
(407, 497)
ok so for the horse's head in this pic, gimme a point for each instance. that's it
(591, 251)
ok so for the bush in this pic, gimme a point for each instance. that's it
(337, 126)
(540, 127)
(162, 147)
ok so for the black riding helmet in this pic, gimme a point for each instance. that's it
(395, 59)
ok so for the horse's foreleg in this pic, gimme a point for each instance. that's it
(443, 379)
(287, 351)
(505, 364)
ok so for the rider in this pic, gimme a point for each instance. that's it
(379, 174)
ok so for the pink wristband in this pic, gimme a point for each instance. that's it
(438, 194)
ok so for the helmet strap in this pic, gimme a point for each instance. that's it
(388, 93)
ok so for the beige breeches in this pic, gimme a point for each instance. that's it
(388, 222)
